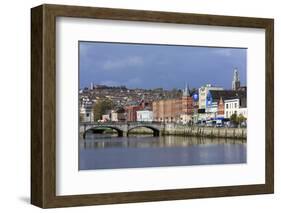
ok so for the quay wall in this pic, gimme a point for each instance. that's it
(213, 132)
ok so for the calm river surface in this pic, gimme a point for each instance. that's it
(105, 151)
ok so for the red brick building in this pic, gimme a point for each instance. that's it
(173, 110)
(187, 105)
(132, 112)
(167, 110)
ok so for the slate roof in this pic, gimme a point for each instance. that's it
(230, 94)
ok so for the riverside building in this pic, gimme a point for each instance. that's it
(177, 110)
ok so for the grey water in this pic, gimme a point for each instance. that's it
(108, 151)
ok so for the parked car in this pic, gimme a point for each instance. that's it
(218, 125)
(243, 124)
(232, 125)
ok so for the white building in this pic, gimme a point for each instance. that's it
(145, 115)
(231, 107)
(86, 110)
(203, 92)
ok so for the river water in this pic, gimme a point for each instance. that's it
(106, 151)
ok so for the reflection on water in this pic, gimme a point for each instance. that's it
(145, 141)
(105, 151)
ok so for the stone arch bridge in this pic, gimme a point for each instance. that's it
(122, 128)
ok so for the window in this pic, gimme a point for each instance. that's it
(235, 105)
(226, 107)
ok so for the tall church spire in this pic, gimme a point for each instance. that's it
(236, 80)
(186, 91)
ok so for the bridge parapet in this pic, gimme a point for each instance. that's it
(123, 128)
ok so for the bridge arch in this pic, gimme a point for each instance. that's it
(156, 131)
(94, 129)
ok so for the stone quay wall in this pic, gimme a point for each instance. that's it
(195, 131)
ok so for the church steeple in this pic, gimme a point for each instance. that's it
(236, 80)
(186, 91)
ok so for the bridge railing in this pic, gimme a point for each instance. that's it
(120, 122)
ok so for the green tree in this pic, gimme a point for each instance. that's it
(234, 118)
(237, 119)
(241, 119)
(100, 108)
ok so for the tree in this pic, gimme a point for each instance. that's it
(241, 119)
(100, 108)
(234, 118)
(237, 119)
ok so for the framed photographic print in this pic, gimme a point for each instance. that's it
(136, 106)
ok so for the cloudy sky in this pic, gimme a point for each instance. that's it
(154, 66)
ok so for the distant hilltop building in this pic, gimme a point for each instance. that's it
(236, 80)
(102, 86)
